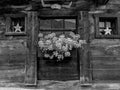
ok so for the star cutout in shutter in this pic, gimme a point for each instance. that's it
(18, 28)
(107, 31)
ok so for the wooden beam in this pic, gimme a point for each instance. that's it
(31, 78)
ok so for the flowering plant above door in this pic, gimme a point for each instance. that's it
(59, 45)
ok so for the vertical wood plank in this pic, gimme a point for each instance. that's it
(84, 53)
(30, 78)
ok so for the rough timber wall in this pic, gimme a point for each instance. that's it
(105, 52)
(13, 53)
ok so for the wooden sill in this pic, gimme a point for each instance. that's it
(15, 34)
(107, 37)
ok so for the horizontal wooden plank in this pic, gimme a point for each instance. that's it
(105, 47)
(57, 64)
(45, 76)
(60, 70)
(105, 51)
(16, 75)
(12, 67)
(66, 73)
(58, 67)
(12, 61)
(105, 58)
(107, 62)
(17, 59)
(4, 59)
(106, 75)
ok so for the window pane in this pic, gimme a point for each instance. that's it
(108, 26)
(57, 24)
(45, 24)
(70, 23)
(17, 25)
(101, 24)
(2, 24)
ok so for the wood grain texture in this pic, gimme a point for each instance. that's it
(12, 60)
(106, 75)
(30, 77)
(52, 70)
(105, 59)
(104, 53)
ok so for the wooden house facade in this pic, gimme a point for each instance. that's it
(97, 22)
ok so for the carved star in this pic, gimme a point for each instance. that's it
(17, 28)
(107, 31)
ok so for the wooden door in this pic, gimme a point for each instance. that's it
(68, 68)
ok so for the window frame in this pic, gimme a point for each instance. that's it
(97, 17)
(60, 17)
(8, 23)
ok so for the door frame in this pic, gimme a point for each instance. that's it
(31, 62)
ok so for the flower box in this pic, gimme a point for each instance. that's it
(59, 46)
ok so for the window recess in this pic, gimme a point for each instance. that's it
(16, 24)
(58, 23)
(107, 26)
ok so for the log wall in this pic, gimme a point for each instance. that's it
(13, 55)
(104, 53)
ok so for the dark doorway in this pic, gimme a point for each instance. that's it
(68, 68)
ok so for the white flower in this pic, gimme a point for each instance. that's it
(40, 35)
(72, 34)
(69, 39)
(76, 37)
(41, 44)
(62, 36)
(70, 47)
(65, 48)
(51, 35)
(46, 55)
(78, 45)
(46, 36)
(51, 57)
(55, 53)
(82, 42)
(48, 42)
(55, 39)
(59, 45)
(62, 44)
(67, 54)
(60, 57)
(50, 47)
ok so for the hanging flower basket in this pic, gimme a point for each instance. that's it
(59, 45)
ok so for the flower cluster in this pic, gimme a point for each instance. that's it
(53, 45)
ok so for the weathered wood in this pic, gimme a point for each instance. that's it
(12, 60)
(83, 30)
(100, 2)
(61, 12)
(106, 75)
(31, 61)
(114, 2)
(104, 59)
(102, 62)
(52, 70)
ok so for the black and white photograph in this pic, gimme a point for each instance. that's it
(59, 44)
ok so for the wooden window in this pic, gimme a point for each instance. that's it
(107, 26)
(58, 23)
(15, 24)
